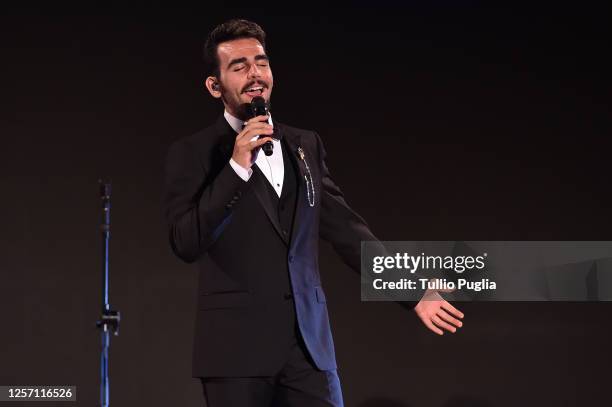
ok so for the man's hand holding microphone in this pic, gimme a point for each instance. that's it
(245, 148)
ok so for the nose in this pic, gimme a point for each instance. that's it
(254, 71)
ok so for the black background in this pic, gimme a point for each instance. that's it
(442, 122)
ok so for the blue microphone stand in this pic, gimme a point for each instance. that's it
(109, 321)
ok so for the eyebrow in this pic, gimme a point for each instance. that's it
(243, 59)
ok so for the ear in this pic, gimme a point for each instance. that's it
(213, 86)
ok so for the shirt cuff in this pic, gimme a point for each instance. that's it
(241, 171)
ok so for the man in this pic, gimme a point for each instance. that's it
(252, 223)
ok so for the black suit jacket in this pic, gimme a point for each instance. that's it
(230, 229)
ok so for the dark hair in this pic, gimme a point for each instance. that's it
(228, 31)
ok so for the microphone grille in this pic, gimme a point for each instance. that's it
(259, 106)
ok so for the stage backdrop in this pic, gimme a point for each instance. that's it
(441, 123)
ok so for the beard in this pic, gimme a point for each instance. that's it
(241, 110)
(245, 111)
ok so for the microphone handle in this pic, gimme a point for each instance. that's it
(263, 111)
(267, 148)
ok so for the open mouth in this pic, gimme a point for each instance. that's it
(254, 91)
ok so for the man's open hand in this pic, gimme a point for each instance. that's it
(436, 313)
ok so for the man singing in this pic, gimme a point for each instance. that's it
(252, 222)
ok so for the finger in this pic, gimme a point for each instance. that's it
(255, 130)
(256, 143)
(258, 135)
(446, 317)
(253, 125)
(256, 119)
(432, 327)
(436, 320)
(448, 307)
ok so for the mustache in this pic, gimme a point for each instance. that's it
(261, 83)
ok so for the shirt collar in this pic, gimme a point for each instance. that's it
(237, 124)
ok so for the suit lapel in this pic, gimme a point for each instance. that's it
(293, 142)
(226, 144)
(227, 138)
(261, 191)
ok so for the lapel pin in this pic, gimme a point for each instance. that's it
(310, 191)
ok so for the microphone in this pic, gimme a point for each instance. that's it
(259, 107)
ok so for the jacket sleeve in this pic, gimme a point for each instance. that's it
(345, 229)
(339, 224)
(197, 202)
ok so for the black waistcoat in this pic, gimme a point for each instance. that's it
(284, 207)
(285, 204)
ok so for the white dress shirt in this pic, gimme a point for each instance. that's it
(271, 166)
